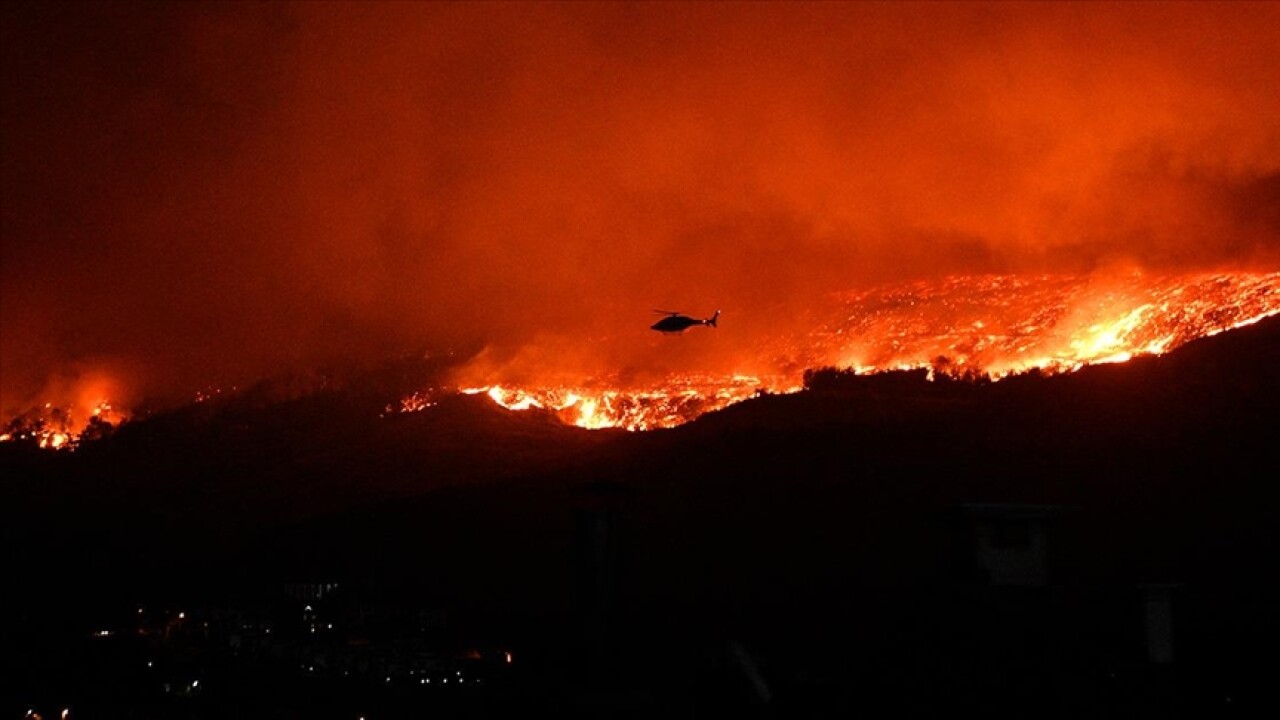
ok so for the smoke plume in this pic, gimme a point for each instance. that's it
(200, 194)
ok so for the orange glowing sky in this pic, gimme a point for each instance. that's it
(199, 194)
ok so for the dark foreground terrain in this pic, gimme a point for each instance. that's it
(1101, 544)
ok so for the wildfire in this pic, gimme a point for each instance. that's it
(680, 400)
(60, 428)
(966, 326)
(998, 325)
(988, 326)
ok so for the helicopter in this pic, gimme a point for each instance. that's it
(675, 322)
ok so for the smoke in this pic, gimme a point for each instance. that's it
(204, 194)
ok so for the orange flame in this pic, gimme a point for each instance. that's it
(57, 428)
(990, 326)
(680, 400)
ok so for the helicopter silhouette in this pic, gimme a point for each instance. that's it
(675, 322)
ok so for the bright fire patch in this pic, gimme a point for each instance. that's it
(60, 428)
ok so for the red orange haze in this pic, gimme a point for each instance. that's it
(199, 195)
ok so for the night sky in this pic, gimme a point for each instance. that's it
(203, 194)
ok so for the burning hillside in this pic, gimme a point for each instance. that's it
(997, 325)
(80, 407)
(964, 326)
(980, 326)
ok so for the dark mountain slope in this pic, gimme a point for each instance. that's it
(819, 528)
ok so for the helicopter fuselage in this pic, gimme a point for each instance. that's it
(677, 323)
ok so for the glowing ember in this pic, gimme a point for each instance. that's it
(209, 393)
(989, 326)
(414, 402)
